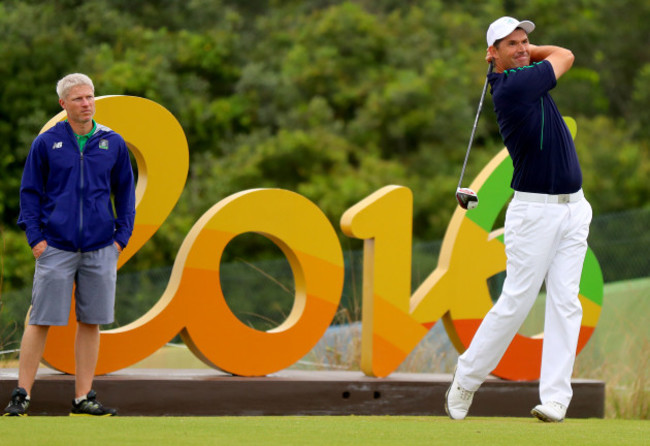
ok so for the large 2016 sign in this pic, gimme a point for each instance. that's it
(393, 320)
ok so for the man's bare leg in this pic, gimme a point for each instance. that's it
(31, 353)
(86, 354)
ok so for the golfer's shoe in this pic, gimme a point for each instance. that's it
(457, 400)
(550, 412)
(18, 405)
(91, 407)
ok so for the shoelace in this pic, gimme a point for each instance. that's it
(465, 394)
(20, 401)
(92, 404)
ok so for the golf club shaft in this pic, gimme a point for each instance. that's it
(478, 114)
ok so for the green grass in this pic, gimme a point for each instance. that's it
(349, 430)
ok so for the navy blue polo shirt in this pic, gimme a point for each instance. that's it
(538, 140)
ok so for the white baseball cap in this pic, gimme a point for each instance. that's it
(502, 27)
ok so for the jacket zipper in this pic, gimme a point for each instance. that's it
(81, 197)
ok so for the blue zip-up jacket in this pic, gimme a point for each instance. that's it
(65, 194)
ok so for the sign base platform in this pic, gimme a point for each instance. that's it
(207, 392)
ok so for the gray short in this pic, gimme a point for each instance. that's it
(94, 274)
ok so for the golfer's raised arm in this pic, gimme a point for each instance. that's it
(561, 59)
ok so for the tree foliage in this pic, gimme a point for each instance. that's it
(331, 99)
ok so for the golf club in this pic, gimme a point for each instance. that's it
(467, 198)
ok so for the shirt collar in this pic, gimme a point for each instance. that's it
(89, 134)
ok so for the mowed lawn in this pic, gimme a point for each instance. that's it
(311, 430)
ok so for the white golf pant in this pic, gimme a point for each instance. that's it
(544, 242)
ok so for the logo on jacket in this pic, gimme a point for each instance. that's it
(103, 144)
(57, 145)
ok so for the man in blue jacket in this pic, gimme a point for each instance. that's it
(76, 232)
(546, 226)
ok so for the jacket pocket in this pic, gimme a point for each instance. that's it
(101, 223)
(60, 224)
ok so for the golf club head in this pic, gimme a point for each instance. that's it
(467, 198)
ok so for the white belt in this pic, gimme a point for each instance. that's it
(546, 198)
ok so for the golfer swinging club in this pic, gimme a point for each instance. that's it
(546, 226)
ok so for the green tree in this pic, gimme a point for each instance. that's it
(330, 98)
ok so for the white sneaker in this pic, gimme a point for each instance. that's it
(550, 412)
(457, 400)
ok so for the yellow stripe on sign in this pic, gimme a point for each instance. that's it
(590, 311)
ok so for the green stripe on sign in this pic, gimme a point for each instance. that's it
(591, 282)
(493, 196)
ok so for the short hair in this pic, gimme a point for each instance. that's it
(72, 80)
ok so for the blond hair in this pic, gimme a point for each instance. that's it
(72, 80)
